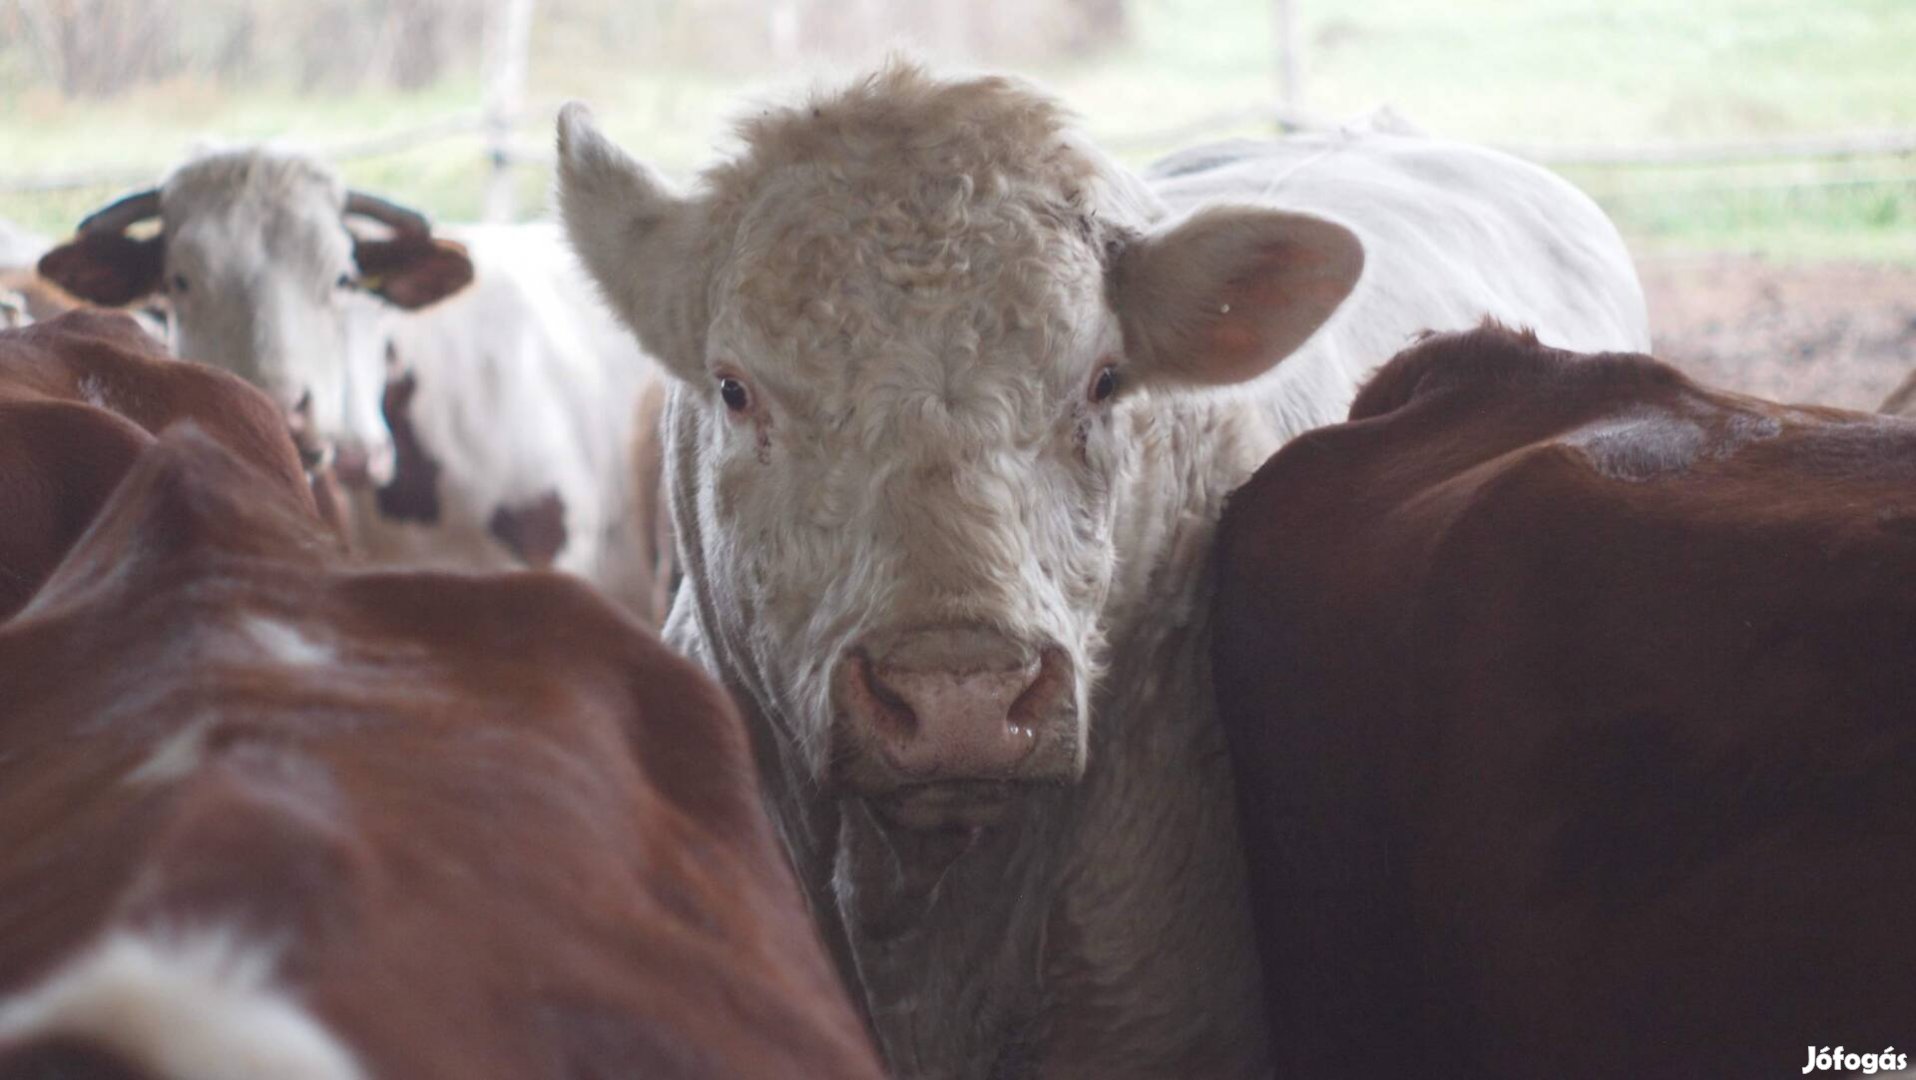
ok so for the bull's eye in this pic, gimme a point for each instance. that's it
(737, 398)
(1104, 384)
(345, 282)
(179, 283)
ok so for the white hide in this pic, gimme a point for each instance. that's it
(20, 249)
(1452, 234)
(203, 1005)
(526, 384)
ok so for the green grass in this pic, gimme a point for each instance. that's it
(1501, 71)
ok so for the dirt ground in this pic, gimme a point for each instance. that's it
(1829, 333)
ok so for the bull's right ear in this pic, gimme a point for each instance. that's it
(111, 269)
(1226, 294)
(641, 241)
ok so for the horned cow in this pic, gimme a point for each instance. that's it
(460, 392)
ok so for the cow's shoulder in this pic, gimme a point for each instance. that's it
(106, 360)
(1553, 648)
(82, 396)
(1487, 460)
(436, 824)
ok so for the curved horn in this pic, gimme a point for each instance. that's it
(399, 217)
(122, 212)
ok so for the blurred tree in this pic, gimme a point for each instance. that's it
(419, 41)
(743, 35)
(233, 55)
(1099, 25)
(408, 44)
(97, 48)
(91, 48)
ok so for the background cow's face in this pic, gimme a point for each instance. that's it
(264, 279)
(263, 283)
(912, 360)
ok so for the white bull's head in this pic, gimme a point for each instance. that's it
(918, 323)
(264, 279)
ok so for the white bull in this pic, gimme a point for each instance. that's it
(958, 403)
(481, 407)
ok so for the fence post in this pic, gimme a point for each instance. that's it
(508, 40)
(1290, 77)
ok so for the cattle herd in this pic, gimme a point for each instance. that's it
(928, 601)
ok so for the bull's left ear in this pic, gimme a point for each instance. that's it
(412, 270)
(1225, 294)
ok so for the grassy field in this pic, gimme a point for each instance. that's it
(1519, 72)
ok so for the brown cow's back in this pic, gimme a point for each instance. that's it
(1575, 723)
(262, 816)
(80, 396)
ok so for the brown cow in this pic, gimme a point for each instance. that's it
(80, 396)
(262, 817)
(1575, 724)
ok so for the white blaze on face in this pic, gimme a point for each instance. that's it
(259, 271)
(906, 393)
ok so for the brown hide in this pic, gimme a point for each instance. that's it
(413, 493)
(533, 530)
(80, 396)
(487, 827)
(1574, 715)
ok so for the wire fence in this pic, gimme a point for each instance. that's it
(1649, 188)
(1854, 180)
(506, 149)
(441, 129)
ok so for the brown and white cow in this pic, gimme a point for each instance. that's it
(81, 396)
(485, 410)
(1575, 723)
(958, 401)
(264, 817)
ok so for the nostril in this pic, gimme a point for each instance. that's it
(881, 702)
(304, 406)
(313, 450)
(955, 704)
(352, 465)
(1042, 697)
(959, 703)
(311, 456)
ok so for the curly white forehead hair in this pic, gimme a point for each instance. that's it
(905, 178)
(901, 120)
